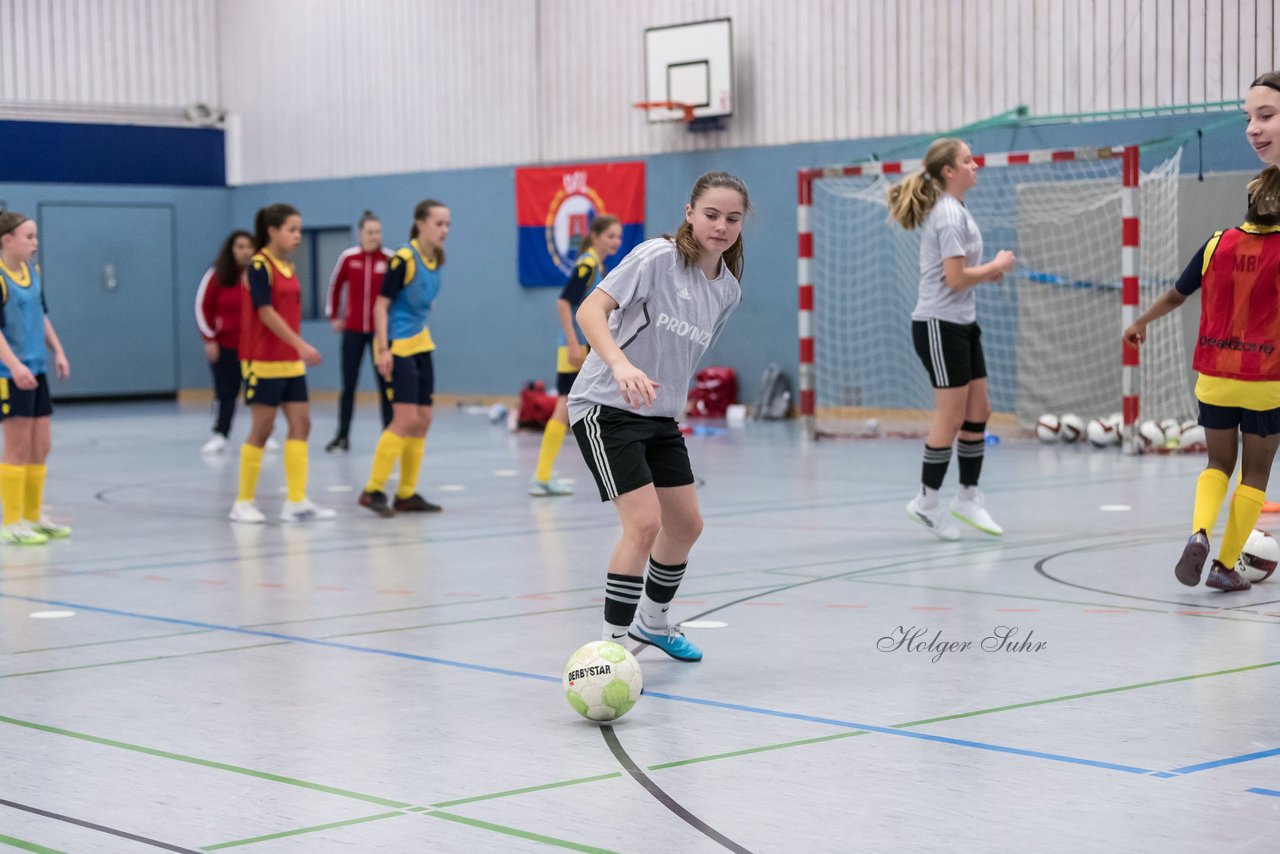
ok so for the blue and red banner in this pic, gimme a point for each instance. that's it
(555, 206)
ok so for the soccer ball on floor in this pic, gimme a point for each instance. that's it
(1259, 558)
(1048, 428)
(1071, 427)
(1102, 433)
(602, 681)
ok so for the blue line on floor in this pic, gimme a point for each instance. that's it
(1272, 792)
(1230, 760)
(902, 733)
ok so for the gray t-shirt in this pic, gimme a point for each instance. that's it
(667, 318)
(948, 231)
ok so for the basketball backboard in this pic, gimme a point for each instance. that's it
(690, 64)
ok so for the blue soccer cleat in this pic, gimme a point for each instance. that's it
(670, 640)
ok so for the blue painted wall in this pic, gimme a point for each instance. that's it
(493, 335)
(71, 152)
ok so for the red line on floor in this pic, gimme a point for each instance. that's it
(1195, 613)
(155, 578)
(270, 584)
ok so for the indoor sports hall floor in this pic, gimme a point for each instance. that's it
(371, 685)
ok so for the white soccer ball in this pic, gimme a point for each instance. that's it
(1188, 424)
(1101, 433)
(1192, 439)
(1259, 558)
(1048, 428)
(1116, 420)
(1071, 427)
(1172, 430)
(1151, 435)
(602, 681)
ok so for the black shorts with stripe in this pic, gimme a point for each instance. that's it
(626, 451)
(413, 379)
(1255, 422)
(25, 403)
(950, 352)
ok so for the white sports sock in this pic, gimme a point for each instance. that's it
(617, 634)
(928, 498)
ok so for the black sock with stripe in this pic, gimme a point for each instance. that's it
(621, 595)
(661, 581)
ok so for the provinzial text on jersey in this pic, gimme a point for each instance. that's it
(684, 329)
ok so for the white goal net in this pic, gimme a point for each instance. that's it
(1050, 330)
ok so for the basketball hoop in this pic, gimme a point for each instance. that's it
(668, 105)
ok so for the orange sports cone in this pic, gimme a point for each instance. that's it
(1271, 507)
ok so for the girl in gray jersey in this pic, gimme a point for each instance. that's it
(945, 330)
(648, 324)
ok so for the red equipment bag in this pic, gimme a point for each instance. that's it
(713, 390)
(536, 406)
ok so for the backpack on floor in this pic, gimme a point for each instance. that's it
(774, 398)
(713, 390)
(536, 406)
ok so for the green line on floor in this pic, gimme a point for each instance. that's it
(300, 831)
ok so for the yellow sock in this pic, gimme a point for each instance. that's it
(295, 469)
(552, 439)
(250, 465)
(1211, 489)
(13, 481)
(33, 495)
(1246, 506)
(390, 448)
(410, 464)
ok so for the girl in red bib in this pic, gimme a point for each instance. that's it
(1237, 354)
(273, 359)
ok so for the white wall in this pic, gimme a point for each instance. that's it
(328, 88)
(143, 60)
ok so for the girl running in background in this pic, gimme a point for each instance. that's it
(944, 327)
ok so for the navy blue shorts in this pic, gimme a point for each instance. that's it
(1251, 421)
(564, 382)
(266, 391)
(21, 403)
(413, 379)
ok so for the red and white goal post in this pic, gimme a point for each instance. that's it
(1087, 264)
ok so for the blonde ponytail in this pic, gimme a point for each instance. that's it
(911, 199)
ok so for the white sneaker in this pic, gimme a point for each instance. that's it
(973, 512)
(305, 511)
(247, 513)
(216, 444)
(554, 486)
(272, 445)
(935, 519)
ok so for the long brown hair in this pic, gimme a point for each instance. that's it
(225, 268)
(272, 216)
(687, 244)
(1264, 189)
(10, 220)
(599, 226)
(422, 211)
(911, 199)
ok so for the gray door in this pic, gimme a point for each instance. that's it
(109, 282)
